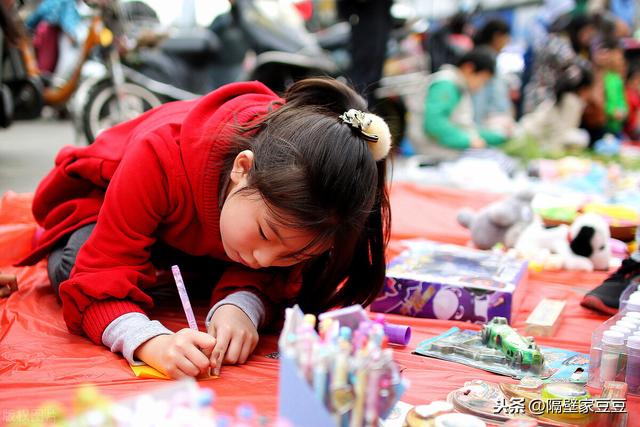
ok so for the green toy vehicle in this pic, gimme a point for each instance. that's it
(517, 349)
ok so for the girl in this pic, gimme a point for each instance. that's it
(555, 123)
(289, 194)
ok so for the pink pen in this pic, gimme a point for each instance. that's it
(184, 298)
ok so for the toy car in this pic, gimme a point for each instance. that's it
(517, 349)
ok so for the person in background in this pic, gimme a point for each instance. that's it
(447, 44)
(625, 10)
(56, 24)
(555, 123)
(566, 42)
(615, 103)
(536, 33)
(448, 116)
(632, 125)
(370, 27)
(492, 106)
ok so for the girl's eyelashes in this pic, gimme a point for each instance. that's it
(262, 235)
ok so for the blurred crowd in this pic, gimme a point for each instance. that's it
(579, 88)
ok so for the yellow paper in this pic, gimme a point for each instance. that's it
(146, 371)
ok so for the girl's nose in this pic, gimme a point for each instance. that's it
(265, 258)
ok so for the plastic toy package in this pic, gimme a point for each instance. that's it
(516, 357)
(450, 282)
(551, 404)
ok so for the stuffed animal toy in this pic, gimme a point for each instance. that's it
(499, 222)
(585, 245)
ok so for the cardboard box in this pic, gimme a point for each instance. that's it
(544, 319)
(451, 282)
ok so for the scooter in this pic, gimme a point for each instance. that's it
(255, 40)
(29, 88)
(7, 38)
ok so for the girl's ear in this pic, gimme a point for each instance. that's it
(242, 164)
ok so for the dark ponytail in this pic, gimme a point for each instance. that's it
(317, 174)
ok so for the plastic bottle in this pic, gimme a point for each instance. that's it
(634, 320)
(628, 324)
(631, 309)
(632, 288)
(622, 329)
(632, 377)
(612, 348)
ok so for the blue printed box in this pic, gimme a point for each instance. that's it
(451, 282)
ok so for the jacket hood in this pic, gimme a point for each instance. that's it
(206, 137)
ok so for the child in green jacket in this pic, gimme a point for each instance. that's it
(448, 117)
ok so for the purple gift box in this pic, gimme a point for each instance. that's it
(451, 282)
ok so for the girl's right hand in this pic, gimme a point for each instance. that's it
(183, 354)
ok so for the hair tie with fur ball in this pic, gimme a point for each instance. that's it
(373, 129)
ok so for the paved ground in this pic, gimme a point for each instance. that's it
(27, 151)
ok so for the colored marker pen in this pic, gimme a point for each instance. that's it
(360, 388)
(320, 374)
(184, 298)
(341, 393)
(373, 396)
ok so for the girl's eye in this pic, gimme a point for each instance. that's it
(262, 235)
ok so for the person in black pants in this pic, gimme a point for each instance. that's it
(370, 27)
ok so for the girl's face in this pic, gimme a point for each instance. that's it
(250, 234)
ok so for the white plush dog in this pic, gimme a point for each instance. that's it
(582, 246)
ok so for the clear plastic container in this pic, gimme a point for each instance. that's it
(632, 288)
(632, 376)
(598, 350)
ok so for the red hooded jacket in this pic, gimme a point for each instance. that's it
(154, 177)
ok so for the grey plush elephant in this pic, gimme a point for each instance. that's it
(499, 222)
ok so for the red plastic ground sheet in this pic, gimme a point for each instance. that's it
(41, 361)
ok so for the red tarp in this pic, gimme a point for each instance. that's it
(40, 360)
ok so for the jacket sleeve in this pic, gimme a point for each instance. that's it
(492, 137)
(113, 265)
(276, 288)
(442, 99)
(615, 99)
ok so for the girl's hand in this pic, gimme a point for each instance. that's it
(235, 334)
(187, 353)
(8, 285)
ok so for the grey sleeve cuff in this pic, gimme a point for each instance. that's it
(126, 333)
(245, 301)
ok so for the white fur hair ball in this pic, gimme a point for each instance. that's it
(378, 127)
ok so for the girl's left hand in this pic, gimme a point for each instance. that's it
(236, 336)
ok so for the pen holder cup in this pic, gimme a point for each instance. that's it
(297, 402)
